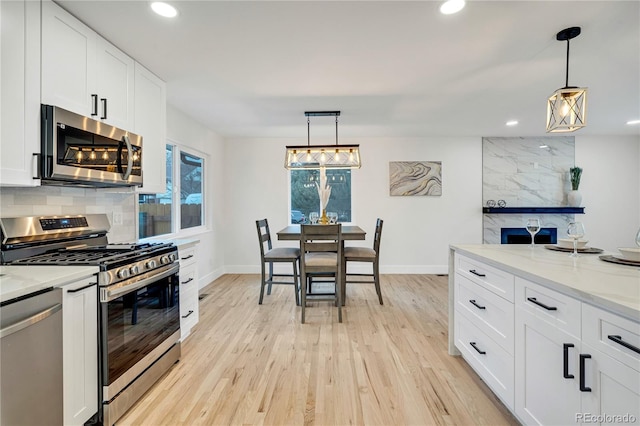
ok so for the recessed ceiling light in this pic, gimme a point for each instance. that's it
(452, 6)
(164, 9)
(544, 146)
(633, 122)
(512, 123)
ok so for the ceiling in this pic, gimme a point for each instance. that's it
(393, 68)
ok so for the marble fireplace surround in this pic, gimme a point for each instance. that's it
(526, 172)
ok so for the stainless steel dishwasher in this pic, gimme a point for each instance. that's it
(31, 359)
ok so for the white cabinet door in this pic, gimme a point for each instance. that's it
(613, 394)
(68, 61)
(80, 350)
(543, 394)
(150, 123)
(84, 73)
(20, 100)
(114, 85)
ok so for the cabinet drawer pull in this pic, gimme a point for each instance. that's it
(187, 281)
(583, 388)
(104, 108)
(618, 340)
(473, 345)
(94, 105)
(474, 272)
(190, 312)
(188, 257)
(565, 363)
(473, 302)
(75, 290)
(542, 305)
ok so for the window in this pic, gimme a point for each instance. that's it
(154, 213)
(190, 190)
(305, 199)
(181, 203)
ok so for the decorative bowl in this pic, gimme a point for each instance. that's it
(631, 253)
(568, 243)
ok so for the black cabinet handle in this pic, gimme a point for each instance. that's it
(187, 281)
(474, 272)
(583, 388)
(565, 363)
(104, 108)
(94, 106)
(542, 305)
(473, 302)
(473, 344)
(188, 257)
(190, 312)
(618, 340)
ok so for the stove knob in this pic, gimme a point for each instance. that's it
(164, 259)
(123, 273)
(135, 270)
(151, 264)
(172, 257)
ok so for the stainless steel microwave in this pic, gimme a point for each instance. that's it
(78, 150)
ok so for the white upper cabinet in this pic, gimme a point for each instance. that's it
(84, 73)
(150, 122)
(115, 85)
(20, 88)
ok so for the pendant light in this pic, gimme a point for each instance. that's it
(567, 106)
(317, 156)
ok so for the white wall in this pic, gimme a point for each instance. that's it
(187, 132)
(417, 230)
(610, 187)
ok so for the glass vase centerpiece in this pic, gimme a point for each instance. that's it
(324, 192)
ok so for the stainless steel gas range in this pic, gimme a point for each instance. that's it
(138, 312)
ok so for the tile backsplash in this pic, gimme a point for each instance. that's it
(58, 200)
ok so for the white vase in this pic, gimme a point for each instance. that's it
(574, 198)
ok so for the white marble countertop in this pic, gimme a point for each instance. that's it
(607, 285)
(185, 242)
(16, 281)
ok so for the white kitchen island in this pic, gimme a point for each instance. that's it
(556, 338)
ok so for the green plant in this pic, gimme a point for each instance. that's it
(575, 173)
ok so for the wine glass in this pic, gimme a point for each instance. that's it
(533, 227)
(333, 217)
(638, 238)
(575, 231)
(313, 217)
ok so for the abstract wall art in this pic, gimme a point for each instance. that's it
(415, 178)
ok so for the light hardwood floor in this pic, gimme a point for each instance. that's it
(250, 364)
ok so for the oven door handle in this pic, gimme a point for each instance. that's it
(107, 294)
(127, 142)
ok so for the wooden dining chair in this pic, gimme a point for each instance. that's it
(270, 255)
(365, 254)
(320, 256)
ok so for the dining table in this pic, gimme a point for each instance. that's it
(349, 233)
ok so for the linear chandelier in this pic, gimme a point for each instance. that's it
(316, 156)
(567, 106)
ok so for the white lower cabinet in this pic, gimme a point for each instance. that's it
(551, 358)
(189, 301)
(546, 366)
(80, 350)
(562, 378)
